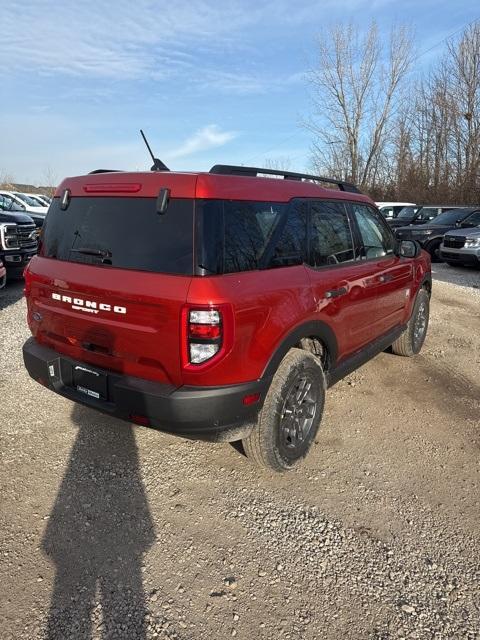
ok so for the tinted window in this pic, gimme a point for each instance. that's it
(330, 235)
(377, 239)
(239, 235)
(249, 227)
(289, 245)
(407, 212)
(121, 232)
(451, 217)
(427, 213)
(473, 220)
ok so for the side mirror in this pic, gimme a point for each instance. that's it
(407, 249)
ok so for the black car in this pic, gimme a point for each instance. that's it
(422, 215)
(430, 235)
(18, 239)
(8, 204)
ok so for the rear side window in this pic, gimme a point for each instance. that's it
(331, 239)
(237, 236)
(126, 233)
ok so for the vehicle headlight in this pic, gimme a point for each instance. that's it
(472, 242)
(8, 236)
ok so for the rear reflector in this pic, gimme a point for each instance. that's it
(251, 399)
(143, 421)
(113, 187)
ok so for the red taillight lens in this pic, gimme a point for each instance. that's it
(28, 281)
(204, 331)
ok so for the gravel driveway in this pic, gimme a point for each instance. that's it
(109, 531)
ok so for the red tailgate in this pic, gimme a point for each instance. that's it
(122, 320)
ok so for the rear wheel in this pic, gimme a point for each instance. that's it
(291, 414)
(412, 339)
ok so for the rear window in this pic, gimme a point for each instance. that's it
(126, 233)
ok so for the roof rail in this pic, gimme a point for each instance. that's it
(233, 170)
(105, 171)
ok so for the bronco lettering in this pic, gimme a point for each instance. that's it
(88, 304)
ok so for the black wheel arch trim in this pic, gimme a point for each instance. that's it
(312, 329)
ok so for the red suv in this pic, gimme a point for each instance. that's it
(218, 305)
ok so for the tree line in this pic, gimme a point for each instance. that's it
(398, 133)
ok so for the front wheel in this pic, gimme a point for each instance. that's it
(291, 414)
(434, 250)
(412, 339)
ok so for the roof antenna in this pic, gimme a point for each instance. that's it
(157, 164)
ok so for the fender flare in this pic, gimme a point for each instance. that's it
(312, 329)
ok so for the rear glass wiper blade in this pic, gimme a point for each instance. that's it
(101, 253)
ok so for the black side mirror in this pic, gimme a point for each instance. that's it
(407, 249)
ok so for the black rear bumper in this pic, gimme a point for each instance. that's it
(204, 413)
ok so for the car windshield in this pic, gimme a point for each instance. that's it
(451, 217)
(27, 200)
(407, 212)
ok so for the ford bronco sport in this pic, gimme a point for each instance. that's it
(218, 305)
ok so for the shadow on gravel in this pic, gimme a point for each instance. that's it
(11, 293)
(98, 531)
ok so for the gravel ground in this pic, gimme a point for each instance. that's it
(109, 531)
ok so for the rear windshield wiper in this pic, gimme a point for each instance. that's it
(101, 253)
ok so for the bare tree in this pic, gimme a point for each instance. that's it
(50, 181)
(355, 94)
(281, 163)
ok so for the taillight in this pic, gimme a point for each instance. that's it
(204, 334)
(28, 281)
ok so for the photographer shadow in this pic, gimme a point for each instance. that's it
(99, 529)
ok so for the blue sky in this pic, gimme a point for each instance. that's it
(209, 81)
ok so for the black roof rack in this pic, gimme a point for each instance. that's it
(105, 171)
(232, 170)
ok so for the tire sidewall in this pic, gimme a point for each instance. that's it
(310, 366)
(422, 298)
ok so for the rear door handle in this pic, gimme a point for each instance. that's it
(336, 293)
(385, 277)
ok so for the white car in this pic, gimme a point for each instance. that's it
(29, 205)
(39, 197)
(392, 209)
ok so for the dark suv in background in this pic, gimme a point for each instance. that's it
(218, 305)
(416, 215)
(430, 235)
(18, 237)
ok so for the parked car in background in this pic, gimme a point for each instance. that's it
(31, 206)
(420, 215)
(3, 275)
(462, 246)
(10, 202)
(38, 197)
(392, 209)
(18, 240)
(430, 234)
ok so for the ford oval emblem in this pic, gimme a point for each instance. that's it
(37, 316)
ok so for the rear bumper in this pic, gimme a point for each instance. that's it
(204, 413)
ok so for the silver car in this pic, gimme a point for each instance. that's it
(462, 246)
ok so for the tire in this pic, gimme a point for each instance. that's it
(287, 424)
(451, 264)
(434, 250)
(412, 339)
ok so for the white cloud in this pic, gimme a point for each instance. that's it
(209, 137)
